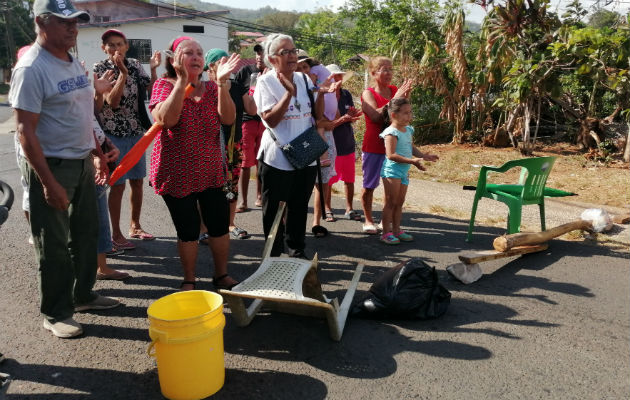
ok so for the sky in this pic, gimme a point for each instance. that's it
(475, 13)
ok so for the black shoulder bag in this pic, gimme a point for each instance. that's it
(305, 148)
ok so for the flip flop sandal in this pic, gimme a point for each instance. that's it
(258, 203)
(241, 209)
(114, 276)
(238, 233)
(140, 234)
(352, 216)
(330, 217)
(124, 245)
(370, 229)
(319, 231)
(217, 285)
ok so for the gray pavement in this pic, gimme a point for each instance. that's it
(551, 325)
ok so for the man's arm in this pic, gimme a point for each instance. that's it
(54, 193)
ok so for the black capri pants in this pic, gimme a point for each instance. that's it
(214, 208)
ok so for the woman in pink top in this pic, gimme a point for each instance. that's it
(373, 100)
(187, 164)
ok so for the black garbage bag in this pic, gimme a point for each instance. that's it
(411, 290)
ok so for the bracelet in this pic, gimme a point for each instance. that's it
(224, 83)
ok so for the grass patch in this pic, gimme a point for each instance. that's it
(594, 182)
(451, 212)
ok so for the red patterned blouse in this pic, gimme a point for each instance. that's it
(187, 157)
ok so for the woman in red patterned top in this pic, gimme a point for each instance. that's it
(187, 164)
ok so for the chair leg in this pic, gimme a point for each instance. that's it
(242, 315)
(471, 224)
(541, 207)
(337, 322)
(514, 218)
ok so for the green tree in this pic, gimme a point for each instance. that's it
(575, 14)
(327, 36)
(603, 18)
(281, 21)
(516, 35)
(17, 27)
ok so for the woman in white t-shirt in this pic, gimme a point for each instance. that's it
(283, 104)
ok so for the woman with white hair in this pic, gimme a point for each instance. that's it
(285, 107)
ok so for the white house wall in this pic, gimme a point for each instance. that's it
(160, 32)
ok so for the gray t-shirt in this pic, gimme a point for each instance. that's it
(61, 93)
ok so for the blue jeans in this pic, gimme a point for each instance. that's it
(104, 243)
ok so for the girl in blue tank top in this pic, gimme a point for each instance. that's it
(400, 154)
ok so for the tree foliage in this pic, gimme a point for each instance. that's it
(17, 28)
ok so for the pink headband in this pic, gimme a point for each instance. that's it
(177, 41)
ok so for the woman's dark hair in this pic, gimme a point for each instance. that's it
(168, 63)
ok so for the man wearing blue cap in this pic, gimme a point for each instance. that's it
(53, 101)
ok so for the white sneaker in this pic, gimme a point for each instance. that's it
(99, 303)
(64, 329)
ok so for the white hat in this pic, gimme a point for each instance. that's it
(335, 70)
(302, 55)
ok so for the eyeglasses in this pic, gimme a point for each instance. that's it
(285, 52)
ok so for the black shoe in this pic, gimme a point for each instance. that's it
(298, 254)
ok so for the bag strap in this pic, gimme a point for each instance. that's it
(310, 96)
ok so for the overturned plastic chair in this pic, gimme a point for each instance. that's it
(529, 190)
(289, 285)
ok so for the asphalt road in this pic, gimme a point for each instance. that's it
(551, 325)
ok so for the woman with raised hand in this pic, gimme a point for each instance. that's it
(120, 118)
(187, 164)
(285, 107)
(373, 101)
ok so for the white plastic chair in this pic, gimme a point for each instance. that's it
(289, 285)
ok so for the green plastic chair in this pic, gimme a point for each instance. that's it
(529, 190)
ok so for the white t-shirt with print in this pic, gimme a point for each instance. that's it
(268, 93)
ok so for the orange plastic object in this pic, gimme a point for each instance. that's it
(133, 156)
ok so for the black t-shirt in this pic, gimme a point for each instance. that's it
(242, 79)
(344, 134)
(237, 90)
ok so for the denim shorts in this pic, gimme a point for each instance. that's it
(104, 242)
(396, 171)
(124, 144)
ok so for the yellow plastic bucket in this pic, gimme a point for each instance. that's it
(186, 329)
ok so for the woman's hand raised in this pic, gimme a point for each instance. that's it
(225, 66)
(287, 84)
(178, 65)
(405, 89)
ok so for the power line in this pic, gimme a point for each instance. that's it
(269, 29)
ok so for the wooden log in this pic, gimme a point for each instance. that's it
(487, 255)
(507, 242)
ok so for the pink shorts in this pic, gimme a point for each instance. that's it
(345, 167)
(250, 142)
